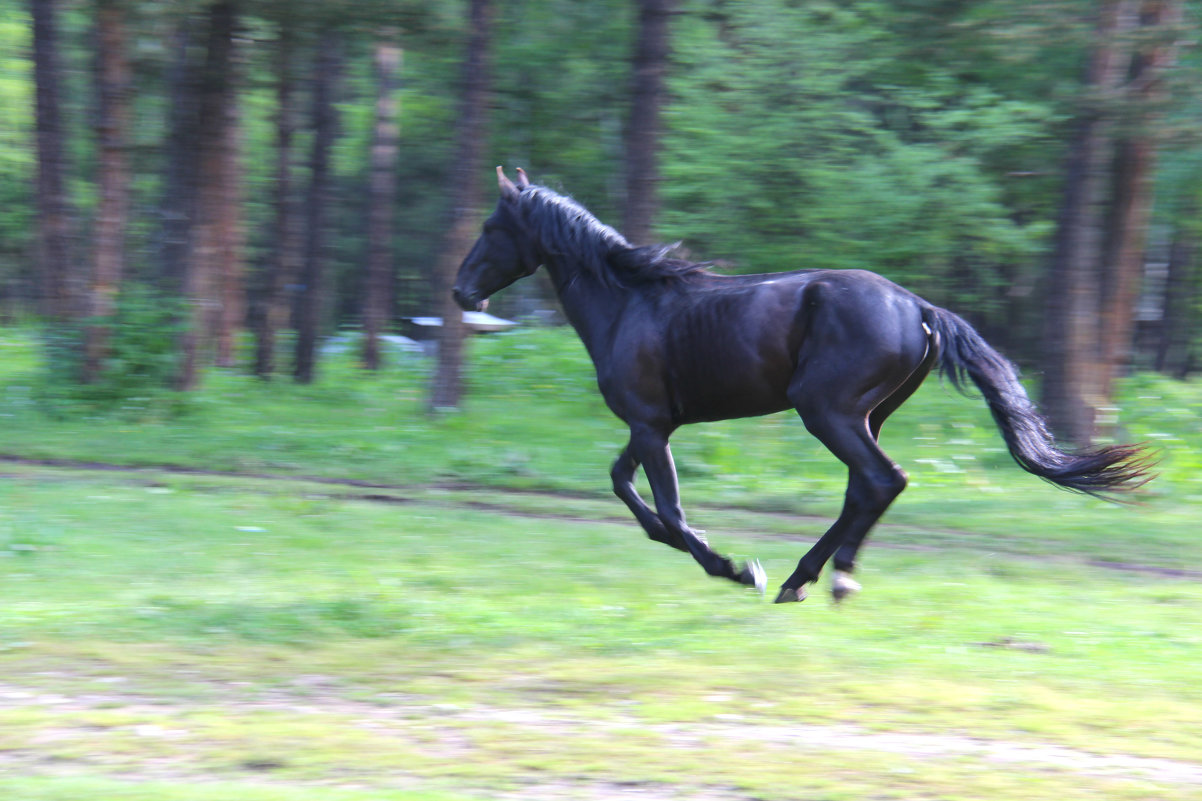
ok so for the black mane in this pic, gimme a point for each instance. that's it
(564, 227)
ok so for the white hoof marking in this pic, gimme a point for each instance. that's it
(843, 585)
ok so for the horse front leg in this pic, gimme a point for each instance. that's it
(622, 474)
(651, 449)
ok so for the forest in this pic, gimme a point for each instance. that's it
(187, 185)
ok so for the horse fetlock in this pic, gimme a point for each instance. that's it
(720, 567)
(752, 575)
(843, 585)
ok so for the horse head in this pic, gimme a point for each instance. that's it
(502, 254)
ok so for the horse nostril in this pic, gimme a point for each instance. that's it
(465, 301)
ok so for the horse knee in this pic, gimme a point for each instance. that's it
(890, 485)
(622, 475)
(877, 491)
(896, 483)
(624, 490)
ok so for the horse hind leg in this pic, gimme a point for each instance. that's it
(842, 582)
(869, 493)
(843, 585)
(873, 482)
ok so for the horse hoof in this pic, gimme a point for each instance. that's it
(843, 585)
(753, 575)
(790, 595)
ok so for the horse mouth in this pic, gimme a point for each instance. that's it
(468, 302)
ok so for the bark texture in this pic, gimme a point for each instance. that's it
(377, 288)
(112, 215)
(55, 278)
(1132, 196)
(283, 266)
(310, 290)
(447, 387)
(649, 65)
(202, 281)
(1069, 359)
(229, 230)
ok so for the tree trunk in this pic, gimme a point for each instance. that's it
(1180, 303)
(177, 208)
(649, 62)
(201, 284)
(55, 277)
(377, 295)
(229, 232)
(310, 292)
(282, 267)
(1070, 363)
(447, 387)
(1132, 198)
(108, 249)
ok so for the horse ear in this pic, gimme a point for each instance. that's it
(523, 179)
(508, 190)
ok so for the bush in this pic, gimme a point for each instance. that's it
(138, 370)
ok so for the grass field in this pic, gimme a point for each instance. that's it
(356, 602)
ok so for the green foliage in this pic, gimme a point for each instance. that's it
(17, 167)
(564, 95)
(923, 139)
(140, 362)
(860, 160)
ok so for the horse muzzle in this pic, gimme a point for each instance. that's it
(467, 301)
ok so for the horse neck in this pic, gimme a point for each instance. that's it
(590, 304)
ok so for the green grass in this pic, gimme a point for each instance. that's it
(206, 631)
(172, 636)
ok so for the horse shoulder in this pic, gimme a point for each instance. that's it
(631, 368)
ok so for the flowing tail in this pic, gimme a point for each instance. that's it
(1101, 472)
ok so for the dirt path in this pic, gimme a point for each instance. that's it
(153, 718)
(461, 496)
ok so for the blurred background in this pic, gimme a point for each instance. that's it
(187, 184)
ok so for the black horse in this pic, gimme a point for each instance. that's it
(674, 343)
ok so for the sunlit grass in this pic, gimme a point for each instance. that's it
(200, 630)
(430, 585)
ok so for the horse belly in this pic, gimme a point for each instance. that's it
(733, 354)
(724, 381)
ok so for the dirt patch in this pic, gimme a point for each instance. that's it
(444, 723)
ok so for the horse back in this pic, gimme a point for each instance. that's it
(730, 347)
